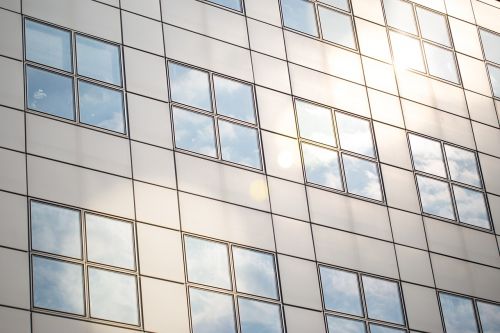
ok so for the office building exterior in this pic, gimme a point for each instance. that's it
(249, 166)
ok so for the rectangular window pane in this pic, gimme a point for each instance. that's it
(259, 317)
(494, 73)
(471, 207)
(345, 325)
(341, 291)
(299, 15)
(384, 329)
(234, 99)
(362, 177)
(315, 123)
(194, 132)
(489, 315)
(211, 312)
(491, 45)
(407, 52)
(239, 144)
(190, 86)
(427, 155)
(435, 197)
(355, 134)
(233, 4)
(462, 165)
(400, 15)
(383, 301)
(322, 166)
(340, 4)
(458, 313)
(441, 62)
(337, 27)
(433, 26)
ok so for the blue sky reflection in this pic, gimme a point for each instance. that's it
(259, 317)
(383, 301)
(458, 313)
(211, 312)
(341, 291)
(322, 166)
(344, 325)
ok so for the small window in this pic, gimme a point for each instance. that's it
(190, 86)
(491, 45)
(383, 300)
(234, 99)
(441, 62)
(340, 4)
(427, 155)
(407, 51)
(239, 144)
(337, 27)
(400, 15)
(494, 73)
(211, 312)
(384, 329)
(471, 207)
(322, 166)
(194, 132)
(462, 165)
(341, 293)
(342, 325)
(489, 315)
(433, 26)
(233, 4)
(362, 177)
(259, 317)
(315, 123)
(355, 135)
(300, 15)
(458, 314)
(435, 197)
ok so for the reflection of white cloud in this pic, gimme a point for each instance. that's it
(190, 86)
(355, 134)
(39, 94)
(322, 166)
(471, 207)
(362, 177)
(490, 317)
(194, 131)
(435, 197)
(344, 325)
(255, 273)
(315, 123)
(239, 144)
(211, 312)
(259, 316)
(427, 155)
(341, 291)
(383, 299)
(458, 314)
(462, 165)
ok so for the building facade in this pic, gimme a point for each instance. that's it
(249, 166)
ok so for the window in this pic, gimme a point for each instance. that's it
(51, 79)
(326, 162)
(63, 272)
(490, 42)
(224, 126)
(417, 33)
(232, 4)
(448, 180)
(244, 278)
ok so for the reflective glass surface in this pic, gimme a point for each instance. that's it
(98, 60)
(315, 123)
(299, 15)
(259, 317)
(337, 27)
(58, 285)
(471, 207)
(407, 52)
(344, 325)
(113, 296)
(341, 4)
(322, 166)
(383, 301)
(462, 165)
(110, 241)
(255, 272)
(433, 26)
(362, 177)
(400, 15)
(48, 45)
(491, 45)
(211, 312)
(489, 315)
(233, 4)
(427, 155)
(384, 329)
(207, 262)
(441, 62)
(341, 291)
(101, 107)
(435, 197)
(239, 144)
(194, 132)
(234, 99)
(355, 134)
(55, 230)
(494, 73)
(50, 93)
(190, 86)
(458, 313)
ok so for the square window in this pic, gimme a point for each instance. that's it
(362, 177)
(355, 134)
(234, 99)
(194, 132)
(407, 52)
(344, 325)
(190, 86)
(433, 26)
(337, 27)
(259, 317)
(435, 197)
(341, 292)
(458, 314)
(462, 165)
(300, 15)
(315, 123)
(239, 144)
(383, 301)
(400, 15)
(211, 312)
(494, 73)
(491, 44)
(427, 155)
(441, 63)
(471, 207)
(233, 4)
(322, 166)
(489, 315)
(384, 329)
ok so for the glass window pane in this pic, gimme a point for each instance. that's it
(259, 317)
(337, 27)
(458, 313)
(207, 262)
(239, 144)
(344, 325)
(234, 99)
(362, 177)
(435, 197)
(315, 123)
(341, 4)
(471, 207)
(48, 46)
(494, 73)
(190, 86)
(383, 301)
(233, 4)
(194, 132)
(400, 15)
(355, 134)
(98, 60)
(441, 62)
(384, 329)
(255, 273)
(50, 93)
(407, 52)
(113, 296)
(211, 312)
(56, 230)
(433, 26)
(322, 166)
(341, 291)
(58, 285)
(491, 45)
(427, 155)
(299, 15)
(462, 165)
(489, 315)
(101, 107)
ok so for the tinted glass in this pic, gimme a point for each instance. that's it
(341, 4)
(299, 15)
(50, 93)
(58, 285)
(400, 15)
(462, 165)
(337, 27)
(98, 60)
(427, 155)
(255, 273)
(48, 45)
(383, 329)
(190, 86)
(344, 325)
(435, 197)
(101, 107)
(491, 45)
(355, 134)
(207, 262)
(362, 177)
(322, 166)
(433, 26)
(494, 73)
(211, 312)
(458, 313)
(407, 52)
(194, 132)
(441, 62)
(489, 315)
(110, 241)
(471, 207)
(113, 296)
(259, 317)
(239, 144)
(341, 291)
(55, 230)
(233, 4)
(383, 301)
(234, 99)
(315, 123)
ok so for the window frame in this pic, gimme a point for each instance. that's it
(488, 62)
